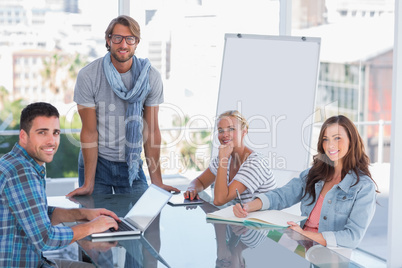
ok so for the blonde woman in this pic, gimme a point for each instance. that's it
(237, 167)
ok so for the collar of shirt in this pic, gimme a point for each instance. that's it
(19, 150)
(344, 185)
(347, 181)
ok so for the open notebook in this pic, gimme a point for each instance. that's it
(265, 217)
(141, 214)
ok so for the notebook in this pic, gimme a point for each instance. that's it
(276, 218)
(141, 214)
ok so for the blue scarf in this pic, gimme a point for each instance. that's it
(135, 98)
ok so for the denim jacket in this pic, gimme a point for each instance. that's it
(346, 210)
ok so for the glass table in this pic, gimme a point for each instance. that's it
(181, 236)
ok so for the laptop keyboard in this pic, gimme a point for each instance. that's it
(122, 227)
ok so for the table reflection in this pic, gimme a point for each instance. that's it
(140, 250)
(190, 240)
(231, 241)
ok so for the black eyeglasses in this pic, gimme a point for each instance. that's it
(116, 39)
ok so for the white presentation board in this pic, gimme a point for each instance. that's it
(272, 81)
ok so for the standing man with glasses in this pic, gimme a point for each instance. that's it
(118, 99)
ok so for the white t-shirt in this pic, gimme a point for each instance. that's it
(254, 173)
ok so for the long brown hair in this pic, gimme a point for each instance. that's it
(355, 160)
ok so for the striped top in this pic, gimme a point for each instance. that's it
(25, 227)
(250, 238)
(314, 218)
(254, 173)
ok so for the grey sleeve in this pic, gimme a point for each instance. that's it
(264, 200)
(155, 96)
(83, 91)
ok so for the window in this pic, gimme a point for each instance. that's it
(356, 71)
(356, 62)
(23, 50)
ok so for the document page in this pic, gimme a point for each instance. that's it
(270, 217)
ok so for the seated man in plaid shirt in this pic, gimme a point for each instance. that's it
(27, 224)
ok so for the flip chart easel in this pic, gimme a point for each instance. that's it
(272, 81)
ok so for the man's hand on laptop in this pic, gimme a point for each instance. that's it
(103, 223)
(90, 214)
(100, 219)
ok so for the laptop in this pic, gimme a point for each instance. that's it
(141, 214)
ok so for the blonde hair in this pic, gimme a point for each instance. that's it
(236, 114)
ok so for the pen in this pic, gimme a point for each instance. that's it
(237, 241)
(238, 196)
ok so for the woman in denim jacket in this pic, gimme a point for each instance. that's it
(337, 193)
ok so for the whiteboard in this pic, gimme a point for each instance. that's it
(272, 81)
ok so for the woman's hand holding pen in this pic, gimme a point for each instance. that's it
(242, 212)
(239, 211)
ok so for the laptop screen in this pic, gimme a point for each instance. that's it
(148, 207)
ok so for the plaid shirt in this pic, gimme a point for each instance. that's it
(25, 227)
